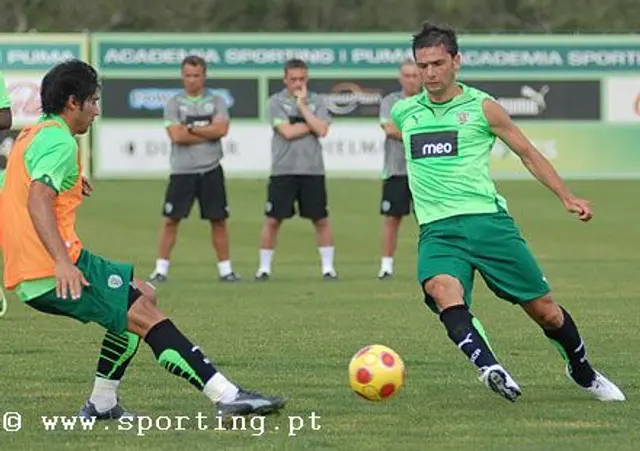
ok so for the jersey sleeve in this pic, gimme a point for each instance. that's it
(221, 110)
(385, 110)
(171, 116)
(52, 159)
(275, 113)
(5, 100)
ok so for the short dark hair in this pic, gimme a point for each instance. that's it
(195, 60)
(73, 78)
(432, 35)
(295, 63)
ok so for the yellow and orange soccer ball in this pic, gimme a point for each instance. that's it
(376, 373)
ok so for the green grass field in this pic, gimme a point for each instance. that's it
(296, 334)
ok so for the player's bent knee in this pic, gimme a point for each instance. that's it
(545, 312)
(140, 288)
(446, 290)
(143, 315)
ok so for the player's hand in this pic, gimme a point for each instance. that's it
(301, 96)
(87, 187)
(580, 207)
(69, 280)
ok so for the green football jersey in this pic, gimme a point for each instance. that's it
(447, 148)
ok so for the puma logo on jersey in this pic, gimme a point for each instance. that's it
(433, 145)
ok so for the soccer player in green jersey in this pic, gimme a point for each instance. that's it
(50, 270)
(448, 133)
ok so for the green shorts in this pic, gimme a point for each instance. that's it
(104, 302)
(489, 243)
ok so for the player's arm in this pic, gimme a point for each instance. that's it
(219, 126)
(387, 124)
(504, 128)
(6, 118)
(318, 124)
(280, 122)
(40, 205)
(178, 132)
(48, 169)
(391, 130)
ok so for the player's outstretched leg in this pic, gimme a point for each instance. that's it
(115, 355)
(468, 335)
(181, 357)
(559, 327)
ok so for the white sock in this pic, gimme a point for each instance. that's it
(104, 394)
(224, 268)
(265, 260)
(387, 265)
(162, 266)
(219, 389)
(326, 255)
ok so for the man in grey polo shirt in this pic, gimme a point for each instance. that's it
(299, 119)
(396, 196)
(195, 121)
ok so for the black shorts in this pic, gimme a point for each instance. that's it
(208, 188)
(396, 197)
(308, 190)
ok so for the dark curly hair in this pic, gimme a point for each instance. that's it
(432, 35)
(70, 79)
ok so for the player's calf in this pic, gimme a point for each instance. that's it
(559, 327)
(468, 335)
(178, 355)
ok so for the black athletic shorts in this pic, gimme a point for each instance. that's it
(396, 197)
(309, 191)
(208, 188)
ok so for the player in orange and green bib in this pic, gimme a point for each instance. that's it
(48, 267)
(448, 132)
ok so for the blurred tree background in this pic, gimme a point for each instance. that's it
(477, 16)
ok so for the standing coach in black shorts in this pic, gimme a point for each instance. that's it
(396, 196)
(299, 119)
(195, 121)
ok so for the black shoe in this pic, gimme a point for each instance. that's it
(89, 410)
(231, 277)
(248, 403)
(385, 276)
(262, 276)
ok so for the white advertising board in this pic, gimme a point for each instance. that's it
(136, 150)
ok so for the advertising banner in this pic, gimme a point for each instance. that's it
(145, 98)
(577, 150)
(348, 97)
(142, 150)
(512, 54)
(24, 60)
(623, 99)
(573, 95)
(545, 99)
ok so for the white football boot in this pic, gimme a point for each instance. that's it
(497, 379)
(601, 387)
